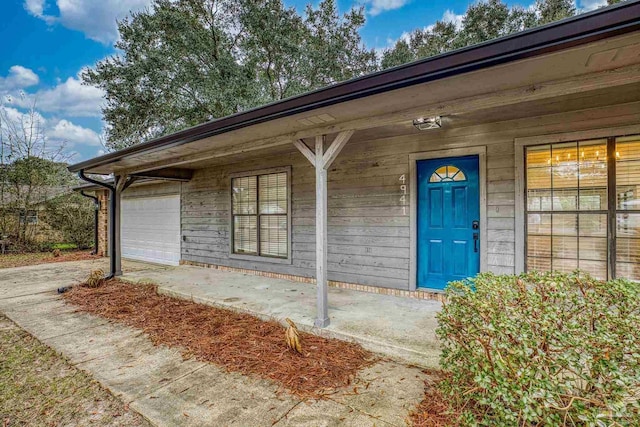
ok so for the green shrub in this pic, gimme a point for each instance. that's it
(73, 216)
(542, 349)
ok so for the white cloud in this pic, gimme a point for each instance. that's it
(35, 7)
(71, 133)
(587, 5)
(379, 6)
(455, 19)
(59, 134)
(95, 18)
(19, 77)
(70, 98)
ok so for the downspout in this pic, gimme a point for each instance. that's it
(96, 209)
(112, 219)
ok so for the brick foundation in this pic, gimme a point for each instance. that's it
(437, 296)
(103, 223)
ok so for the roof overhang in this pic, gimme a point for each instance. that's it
(553, 52)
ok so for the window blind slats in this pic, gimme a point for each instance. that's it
(245, 235)
(244, 195)
(628, 201)
(563, 179)
(260, 215)
(568, 210)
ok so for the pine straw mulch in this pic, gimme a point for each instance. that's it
(433, 411)
(235, 341)
(34, 258)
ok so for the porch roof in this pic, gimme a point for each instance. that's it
(281, 122)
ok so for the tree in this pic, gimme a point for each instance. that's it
(177, 69)
(30, 167)
(482, 21)
(184, 62)
(400, 54)
(554, 10)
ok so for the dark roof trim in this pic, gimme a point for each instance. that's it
(96, 187)
(585, 28)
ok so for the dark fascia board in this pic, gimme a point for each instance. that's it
(90, 187)
(582, 29)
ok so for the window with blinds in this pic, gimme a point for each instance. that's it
(260, 205)
(583, 207)
(628, 207)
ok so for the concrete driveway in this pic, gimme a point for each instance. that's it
(170, 391)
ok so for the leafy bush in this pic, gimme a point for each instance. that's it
(544, 349)
(73, 216)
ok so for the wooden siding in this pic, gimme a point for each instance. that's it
(368, 227)
(151, 190)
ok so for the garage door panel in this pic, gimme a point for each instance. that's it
(151, 229)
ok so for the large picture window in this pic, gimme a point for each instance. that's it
(570, 207)
(260, 215)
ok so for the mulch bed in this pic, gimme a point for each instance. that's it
(237, 342)
(26, 259)
(433, 410)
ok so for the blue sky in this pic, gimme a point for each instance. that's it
(48, 42)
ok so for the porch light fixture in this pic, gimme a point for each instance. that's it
(427, 123)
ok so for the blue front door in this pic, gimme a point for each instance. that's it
(448, 220)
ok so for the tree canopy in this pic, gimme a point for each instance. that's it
(184, 62)
(482, 21)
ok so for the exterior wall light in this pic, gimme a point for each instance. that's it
(426, 123)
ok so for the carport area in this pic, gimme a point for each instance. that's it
(400, 328)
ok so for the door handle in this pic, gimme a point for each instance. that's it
(475, 242)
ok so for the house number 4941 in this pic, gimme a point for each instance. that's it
(403, 192)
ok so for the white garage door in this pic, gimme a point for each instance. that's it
(151, 229)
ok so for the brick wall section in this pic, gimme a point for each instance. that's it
(418, 294)
(103, 222)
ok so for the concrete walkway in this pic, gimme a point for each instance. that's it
(400, 328)
(170, 391)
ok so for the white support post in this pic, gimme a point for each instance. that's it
(322, 319)
(321, 161)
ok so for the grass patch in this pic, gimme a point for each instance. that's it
(235, 341)
(64, 246)
(38, 387)
(34, 258)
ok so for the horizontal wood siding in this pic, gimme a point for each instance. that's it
(152, 190)
(368, 227)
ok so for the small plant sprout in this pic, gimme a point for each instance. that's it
(293, 337)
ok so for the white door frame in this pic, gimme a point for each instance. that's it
(481, 152)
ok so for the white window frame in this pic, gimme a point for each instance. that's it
(261, 258)
(520, 173)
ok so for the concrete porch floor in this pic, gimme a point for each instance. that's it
(400, 328)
